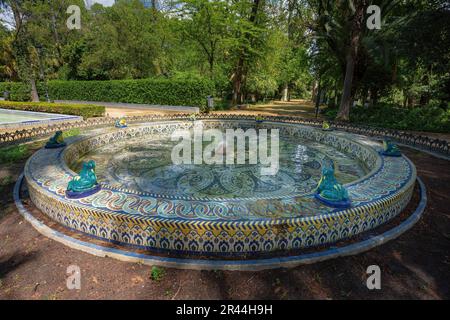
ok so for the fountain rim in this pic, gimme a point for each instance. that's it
(336, 214)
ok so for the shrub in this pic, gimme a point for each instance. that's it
(157, 273)
(83, 110)
(18, 91)
(5, 181)
(3, 88)
(429, 118)
(184, 92)
(149, 91)
(14, 153)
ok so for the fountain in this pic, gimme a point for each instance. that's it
(143, 200)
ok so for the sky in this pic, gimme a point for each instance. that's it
(104, 2)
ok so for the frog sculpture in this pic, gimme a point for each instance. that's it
(57, 141)
(329, 191)
(326, 126)
(85, 184)
(390, 149)
(121, 123)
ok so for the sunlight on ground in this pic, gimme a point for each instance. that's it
(295, 107)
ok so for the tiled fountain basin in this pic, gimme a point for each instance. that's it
(205, 225)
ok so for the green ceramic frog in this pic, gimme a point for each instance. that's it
(57, 141)
(85, 183)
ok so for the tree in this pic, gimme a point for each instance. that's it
(36, 47)
(207, 25)
(120, 43)
(248, 31)
(8, 67)
(356, 31)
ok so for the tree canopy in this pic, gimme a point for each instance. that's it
(250, 49)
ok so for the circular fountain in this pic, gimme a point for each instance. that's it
(230, 211)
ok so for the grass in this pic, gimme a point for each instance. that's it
(14, 153)
(157, 273)
(17, 153)
(5, 182)
(71, 133)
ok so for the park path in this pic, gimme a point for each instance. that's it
(299, 108)
(295, 107)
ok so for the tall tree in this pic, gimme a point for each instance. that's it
(207, 26)
(357, 17)
(24, 51)
(248, 31)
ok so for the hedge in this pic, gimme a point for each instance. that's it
(427, 118)
(83, 110)
(149, 91)
(18, 91)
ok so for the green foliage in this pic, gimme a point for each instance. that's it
(71, 133)
(83, 110)
(14, 153)
(157, 273)
(4, 182)
(149, 91)
(430, 118)
(248, 49)
(176, 91)
(123, 42)
(18, 91)
(211, 20)
(3, 87)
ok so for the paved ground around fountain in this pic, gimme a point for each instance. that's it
(416, 265)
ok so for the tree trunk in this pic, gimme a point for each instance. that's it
(17, 17)
(364, 97)
(424, 99)
(314, 91)
(237, 83)
(239, 74)
(411, 101)
(56, 38)
(347, 97)
(375, 97)
(211, 65)
(318, 98)
(347, 94)
(34, 92)
(154, 9)
(285, 93)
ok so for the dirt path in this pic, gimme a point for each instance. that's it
(124, 112)
(298, 108)
(417, 265)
